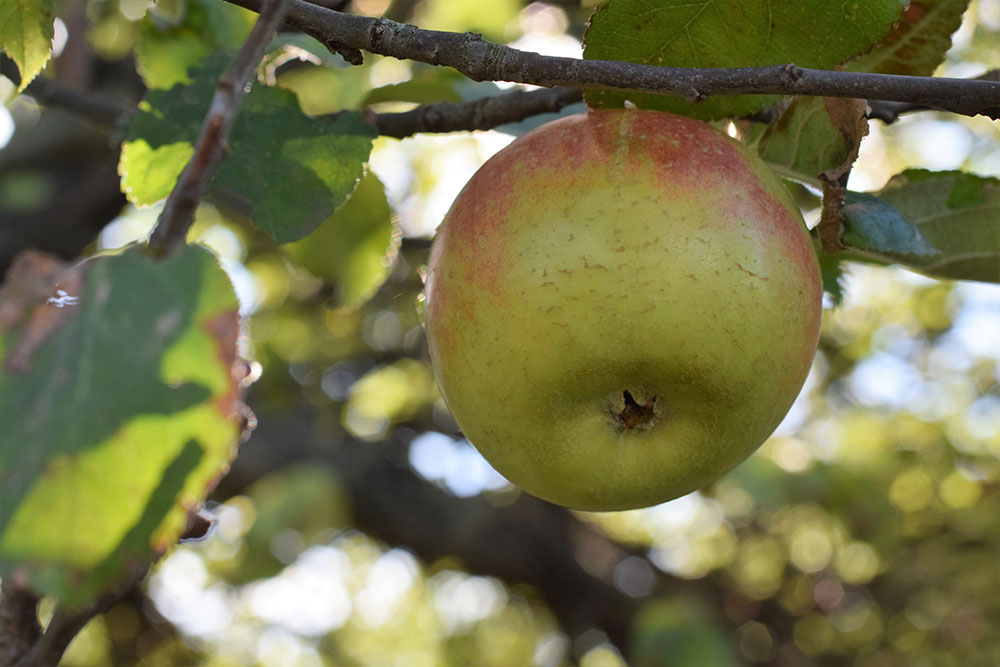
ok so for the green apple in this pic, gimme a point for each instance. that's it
(620, 307)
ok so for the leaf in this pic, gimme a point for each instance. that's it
(832, 274)
(873, 225)
(731, 33)
(26, 29)
(352, 248)
(30, 278)
(167, 47)
(432, 84)
(916, 46)
(295, 45)
(815, 135)
(492, 18)
(293, 170)
(954, 212)
(427, 85)
(325, 89)
(117, 420)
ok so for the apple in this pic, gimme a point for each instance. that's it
(620, 307)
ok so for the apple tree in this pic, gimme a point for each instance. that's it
(221, 439)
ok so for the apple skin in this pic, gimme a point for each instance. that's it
(621, 306)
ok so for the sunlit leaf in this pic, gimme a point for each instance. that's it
(351, 249)
(731, 33)
(119, 407)
(26, 28)
(167, 46)
(325, 89)
(293, 170)
(488, 17)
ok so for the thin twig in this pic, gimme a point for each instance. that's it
(482, 114)
(67, 623)
(483, 61)
(52, 93)
(889, 112)
(178, 212)
(19, 628)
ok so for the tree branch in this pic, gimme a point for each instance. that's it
(178, 212)
(481, 60)
(482, 114)
(67, 623)
(889, 112)
(52, 93)
(18, 622)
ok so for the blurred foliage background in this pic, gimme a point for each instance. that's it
(358, 528)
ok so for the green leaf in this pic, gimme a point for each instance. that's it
(815, 135)
(492, 18)
(731, 33)
(26, 28)
(117, 418)
(432, 84)
(953, 212)
(427, 85)
(832, 274)
(293, 170)
(351, 249)
(166, 47)
(916, 46)
(296, 45)
(325, 89)
(873, 225)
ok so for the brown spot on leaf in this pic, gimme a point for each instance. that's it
(225, 330)
(48, 318)
(30, 280)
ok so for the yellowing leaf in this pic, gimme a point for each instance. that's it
(117, 418)
(26, 28)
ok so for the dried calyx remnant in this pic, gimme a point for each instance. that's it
(635, 415)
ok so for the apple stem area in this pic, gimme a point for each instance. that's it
(634, 415)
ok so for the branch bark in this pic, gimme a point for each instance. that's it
(19, 628)
(178, 211)
(48, 649)
(53, 93)
(483, 61)
(482, 114)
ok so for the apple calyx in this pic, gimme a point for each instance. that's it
(634, 415)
